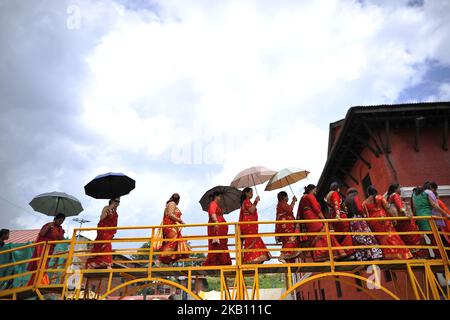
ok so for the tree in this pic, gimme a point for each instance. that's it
(199, 258)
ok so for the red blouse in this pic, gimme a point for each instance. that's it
(53, 234)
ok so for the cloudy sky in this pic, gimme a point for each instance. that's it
(182, 95)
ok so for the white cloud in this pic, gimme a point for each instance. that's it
(186, 99)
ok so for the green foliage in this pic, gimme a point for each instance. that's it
(201, 256)
(266, 281)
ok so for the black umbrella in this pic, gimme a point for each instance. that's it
(231, 198)
(109, 185)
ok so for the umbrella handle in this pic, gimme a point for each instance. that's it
(291, 190)
(57, 203)
(289, 186)
(254, 185)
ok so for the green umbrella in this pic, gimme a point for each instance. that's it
(56, 202)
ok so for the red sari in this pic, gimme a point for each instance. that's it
(309, 209)
(54, 233)
(447, 221)
(170, 249)
(407, 226)
(285, 213)
(104, 261)
(217, 259)
(333, 200)
(377, 210)
(255, 242)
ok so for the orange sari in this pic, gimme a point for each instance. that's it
(377, 210)
(254, 242)
(170, 249)
(103, 261)
(447, 221)
(309, 209)
(53, 234)
(333, 200)
(407, 226)
(216, 259)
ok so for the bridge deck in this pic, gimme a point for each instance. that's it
(262, 269)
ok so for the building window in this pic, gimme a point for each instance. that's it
(338, 289)
(315, 294)
(366, 183)
(387, 275)
(322, 292)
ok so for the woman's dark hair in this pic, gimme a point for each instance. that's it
(244, 194)
(433, 185)
(352, 191)
(281, 195)
(309, 188)
(352, 209)
(60, 216)
(393, 188)
(3, 232)
(112, 200)
(418, 190)
(334, 186)
(371, 191)
(213, 195)
(175, 198)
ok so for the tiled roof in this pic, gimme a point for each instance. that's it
(22, 236)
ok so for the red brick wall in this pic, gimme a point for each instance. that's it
(349, 292)
(430, 163)
(412, 168)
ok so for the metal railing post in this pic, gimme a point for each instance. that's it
(42, 266)
(438, 241)
(330, 251)
(69, 263)
(150, 260)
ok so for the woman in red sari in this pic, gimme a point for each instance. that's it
(395, 201)
(170, 249)
(285, 212)
(108, 218)
(216, 215)
(309, 209)
(337, 210)
(51, 231)
(445, 228)
(375, 206)
(250, 213)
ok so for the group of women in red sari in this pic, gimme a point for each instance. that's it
(171, 247)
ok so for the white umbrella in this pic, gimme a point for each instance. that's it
(286, 177)
(251, 177)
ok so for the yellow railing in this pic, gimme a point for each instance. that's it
(143, 266)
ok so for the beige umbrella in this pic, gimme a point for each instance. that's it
(286, 177)
(251, 177)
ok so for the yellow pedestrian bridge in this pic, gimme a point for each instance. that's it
(135, 269)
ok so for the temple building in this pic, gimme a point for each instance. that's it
(381, 145)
